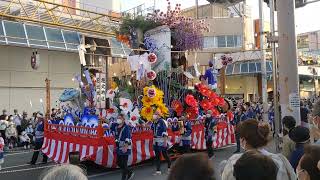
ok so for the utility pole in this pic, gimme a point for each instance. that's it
(263, 63)
(197, 6)
(275, 78)
(288, 61)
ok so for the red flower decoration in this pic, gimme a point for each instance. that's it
(192, 112)
(177, 107)
(134, 118)
(206, 104)
(151, 75)
(221, 101)
(215, 112)
(191, 101)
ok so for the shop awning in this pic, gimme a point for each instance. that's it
(118, 49)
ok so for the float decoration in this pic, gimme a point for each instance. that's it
(152, 101)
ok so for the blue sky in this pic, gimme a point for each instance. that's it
(306, 17)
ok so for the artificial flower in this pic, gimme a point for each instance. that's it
(163, 109)
(125, 105)
(146, 101)
(192, 112)
(147, 113)
(206, 104)
(191, 101)
(177, 107)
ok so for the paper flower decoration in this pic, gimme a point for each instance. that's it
(111, 94)
(192, 112)
(177, 107)
(206, 104)
(125, 105)
(152, 58)
(151, 75)
(147, 113)
(153, 100)
(151, 92)
(191, 101)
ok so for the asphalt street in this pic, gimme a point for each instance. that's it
(15, 167)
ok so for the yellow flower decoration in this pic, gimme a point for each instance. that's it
(147, 101)
(147, 113)
(163, 109)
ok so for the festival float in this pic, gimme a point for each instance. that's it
(159, 82)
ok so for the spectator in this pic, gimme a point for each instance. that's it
(301, 136)
(192, 167)
(39, 137)
(1, 150)
(4, 115)
(239, 117)
(3, 127)
(309, 165)
(288, 145)
(255, 136)
(304, 115)
(11, 134)
(315, 129)
(65, 172)
(253, 165)
(17, 120)
(30, 132)
(24, 121)
(33, 119)
(25, 140)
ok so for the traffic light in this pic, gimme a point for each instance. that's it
(299, 3)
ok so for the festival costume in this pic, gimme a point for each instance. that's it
(39, 138)
(160, 145)
(186, 137)
(211, 76)
(210, 124)
(123, 139)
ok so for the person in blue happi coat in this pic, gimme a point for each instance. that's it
(186, 135)
(250, 113)
(160, 141)
(122, 135)
(210, 130)
(240, 116)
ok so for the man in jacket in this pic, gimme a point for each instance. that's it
(186, 135)
(39, 138)
(122, 133)
(210, 130)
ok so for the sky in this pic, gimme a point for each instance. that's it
(306, 17)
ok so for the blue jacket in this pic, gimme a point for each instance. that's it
(210, 123)
(39, 133)
(159, 133)
(211, 75)
(123, 137)
(296, 155)
(250, 113)
(186, 137)
(239, 118)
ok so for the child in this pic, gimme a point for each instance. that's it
(30, 132)
(1, 150)
(25, 140)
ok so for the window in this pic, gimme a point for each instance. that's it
(221, 41)
(209, 42)
(269, 68)
(72, 39)
(236, 69)
(15, 33)
(2, 38)
(229, 69)
(258, 66)
(252, 68)
(231, 41)
(36, 36)
(55, 38)
(244, 68)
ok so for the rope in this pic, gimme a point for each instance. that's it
(20, 152)
(28, 169)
